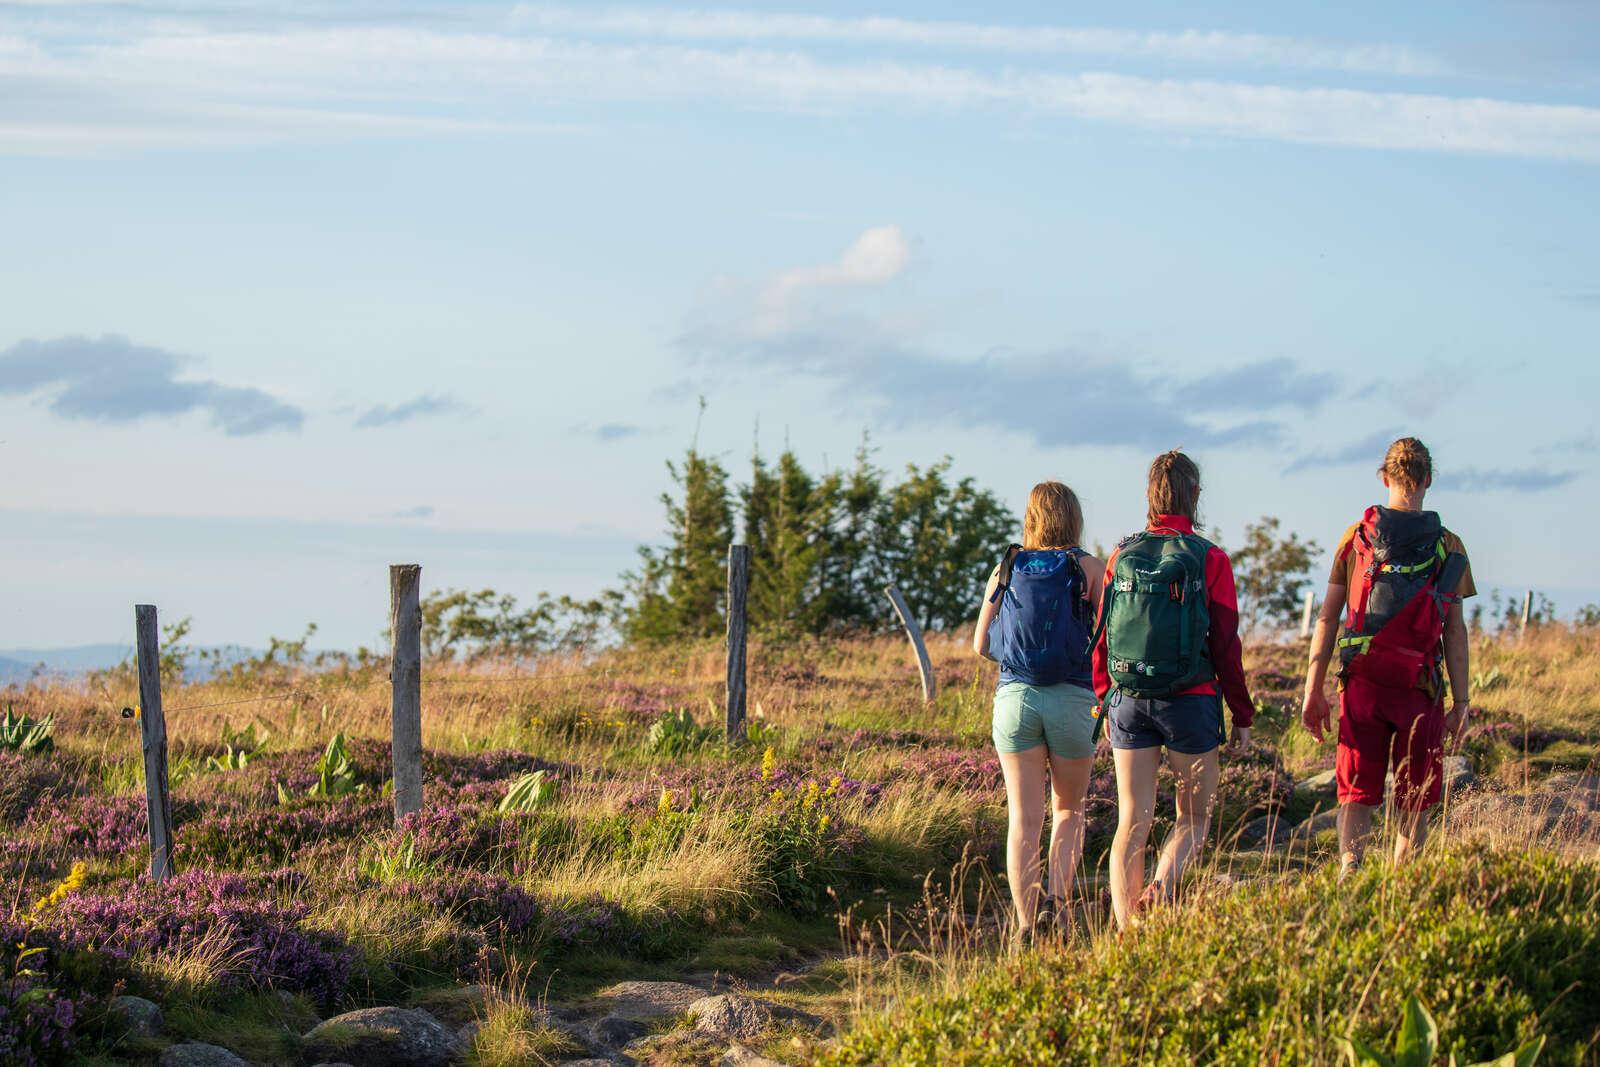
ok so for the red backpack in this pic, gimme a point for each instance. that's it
(1398, 607)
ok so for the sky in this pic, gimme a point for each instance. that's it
(293, 291)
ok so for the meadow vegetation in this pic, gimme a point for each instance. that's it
(584, 823)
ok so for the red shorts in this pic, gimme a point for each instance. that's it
(1381, 727)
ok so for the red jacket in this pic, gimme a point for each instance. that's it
(1226, 653)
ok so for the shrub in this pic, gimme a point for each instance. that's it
(677, 733)
(1501, 943)
(18, 733)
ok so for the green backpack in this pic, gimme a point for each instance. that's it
(1156, 617)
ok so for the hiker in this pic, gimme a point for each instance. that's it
(1166, 641)
(1404, 577)
(1037, 611)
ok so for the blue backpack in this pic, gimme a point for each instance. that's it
(1041, 633)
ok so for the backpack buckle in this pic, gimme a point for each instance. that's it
(1175, 592)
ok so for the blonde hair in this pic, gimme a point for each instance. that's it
(1054, 518)
(1174, 486)
(1408, 464)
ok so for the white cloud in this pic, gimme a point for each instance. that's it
(162, 87)
(878, 256)
(1191, 46)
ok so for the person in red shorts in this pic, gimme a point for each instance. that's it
(1395, 554)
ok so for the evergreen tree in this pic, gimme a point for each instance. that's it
(851, 578)
(679, 589)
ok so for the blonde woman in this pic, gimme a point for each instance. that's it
(1035, 621)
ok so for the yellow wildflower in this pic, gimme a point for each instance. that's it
(822, 823)
(769, 761)
(813, 791)
(833, 786)
(777, 795)
(664, 805)
(70, 884)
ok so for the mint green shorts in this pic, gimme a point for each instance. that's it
(1061, 716)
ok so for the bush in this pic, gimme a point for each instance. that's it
(1501, 944)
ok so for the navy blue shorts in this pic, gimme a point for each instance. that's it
(1191, 724)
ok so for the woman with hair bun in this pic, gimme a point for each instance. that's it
(1166, 653)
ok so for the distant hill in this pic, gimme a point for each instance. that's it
(20, 664)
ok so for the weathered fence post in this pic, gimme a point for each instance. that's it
(914, 632)
(1305, 616)
(153, 737)
(738, 607)
(405, 679)
(1527, 612)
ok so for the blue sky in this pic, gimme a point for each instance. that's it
(291, 291)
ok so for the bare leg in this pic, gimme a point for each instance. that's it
(1355, 828)
(1024, 773)
(1069, 784)
(1136, 799)
(1197, 790)
(1411, 835)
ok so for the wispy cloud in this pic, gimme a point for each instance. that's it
(615, 431)
(153, 85)
(421, 511)
(1508, 480)
(901, 382)
(1186, 46)
(429, 404)
(111, 380)
(1369, 449)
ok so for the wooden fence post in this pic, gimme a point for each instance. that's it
(405, 678)
(914, 632)
(1527, 612)
(153, 737)
(1305, 616)
(738, 608)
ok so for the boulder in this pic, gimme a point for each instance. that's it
(730, 1015)
(140, 1017)
(1457, 772)
(198, 1054)
(614, 1031)
(1318, 787)
(739, 1056)
(1264, 833)
(648, 1001)
(383, 1037)
(1305, 832)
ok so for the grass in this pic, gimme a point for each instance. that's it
(858, 861)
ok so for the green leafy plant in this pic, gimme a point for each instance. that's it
(529, 793)
(1483, 681)
(677, 733)
(1419, 1042)
(21, 734)
(239, 747)
(336, 774)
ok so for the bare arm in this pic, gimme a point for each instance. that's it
(1315, 714)
(1457, 666)
(986, 610)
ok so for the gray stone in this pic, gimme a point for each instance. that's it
(1303, 833)
(739, 1056)
(198, 1054)
(648, 1001)
(617, 1030)
(383, 1037)
(730, 1015)
(141, 1017)
(1263, 833)
(1317, 786)
(1457, 772)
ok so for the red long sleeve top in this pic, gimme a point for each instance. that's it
(1227, 658)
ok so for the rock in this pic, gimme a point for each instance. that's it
(383, 1037)
(1572, 791)
(734, 1015)
(468, 1034)
(141, 1017)
(617, 1030)
(1305, 832)
(648, 1001)
(1457, 772)
(1263, 833)
(730, 1015)
(739, 1056)
(591, 1062)
(198, 1054)
(1318, 786)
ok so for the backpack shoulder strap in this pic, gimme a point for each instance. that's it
(1007, 563)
